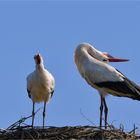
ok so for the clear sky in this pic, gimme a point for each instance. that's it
(55, 28)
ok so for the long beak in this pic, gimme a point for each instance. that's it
(113, 59)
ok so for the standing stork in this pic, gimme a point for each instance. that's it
(40, 86)
(94, 68)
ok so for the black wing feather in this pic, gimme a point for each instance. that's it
(29, 95)
(126, 88)
(52, 93)
(131, 82)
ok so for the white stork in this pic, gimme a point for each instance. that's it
(94, 68)
(40, 86)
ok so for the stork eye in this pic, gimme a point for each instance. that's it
(104, 60)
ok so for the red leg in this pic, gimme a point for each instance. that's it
(33, 114)
(44, 113)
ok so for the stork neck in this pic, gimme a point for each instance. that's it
(39, 67)
(85, 54)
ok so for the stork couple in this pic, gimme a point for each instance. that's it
(93, 66)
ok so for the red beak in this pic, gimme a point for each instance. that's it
(113, 59)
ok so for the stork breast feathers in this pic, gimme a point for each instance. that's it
(40, 86)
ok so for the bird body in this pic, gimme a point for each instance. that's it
(91, 69)
(94, 68)
(40, 85)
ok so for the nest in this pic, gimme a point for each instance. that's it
(66, 133)
(22, 131)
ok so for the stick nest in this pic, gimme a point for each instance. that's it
(22, 131)
(66, 133)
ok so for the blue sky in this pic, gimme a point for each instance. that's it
(55, 28)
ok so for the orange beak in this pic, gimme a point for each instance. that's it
(113, 59)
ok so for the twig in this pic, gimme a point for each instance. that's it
(28, 133)
(134, 130)
(86, 117)
(19, 122)
(122, 127)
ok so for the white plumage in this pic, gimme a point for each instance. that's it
(40, 85)
(94, 68)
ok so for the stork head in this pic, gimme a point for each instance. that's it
(38, 58)
(98, 55)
